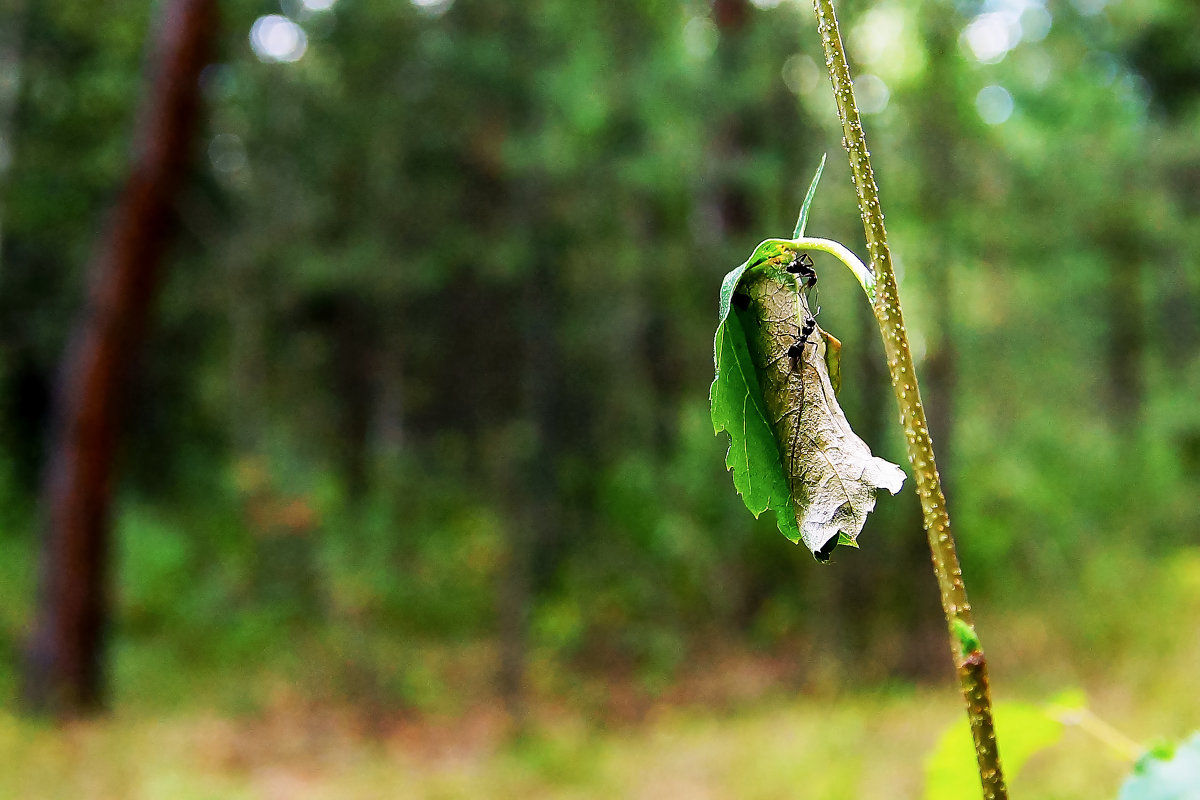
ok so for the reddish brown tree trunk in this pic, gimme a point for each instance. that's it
(65, 675)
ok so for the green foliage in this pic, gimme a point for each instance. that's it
(951, 771)
(1171, 773)
(426, 201)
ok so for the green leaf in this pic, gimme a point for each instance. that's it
(833, 360)
(802, 221)
(791, 449)
(778, 252)
(1165, 775)
(951, 771)
(738, 407)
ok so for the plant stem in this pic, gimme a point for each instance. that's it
(1089, 723)
(968, 653)
(865, 277)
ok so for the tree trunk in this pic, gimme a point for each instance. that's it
(1126, 331)
(12, 40)
(64, 671)
(534, 521)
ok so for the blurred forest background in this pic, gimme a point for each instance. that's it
(417, 442)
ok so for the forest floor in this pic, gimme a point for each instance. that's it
(743, 737)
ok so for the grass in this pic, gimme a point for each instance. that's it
(818, 744)
(769, 750)
(865, 745)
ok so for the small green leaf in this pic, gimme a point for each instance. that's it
(802, 221)
(1164, 775)
(833, 360)
(968, 640)
(952, 772)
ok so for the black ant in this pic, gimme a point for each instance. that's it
(796, 353)
(806, 330)
(803, 266)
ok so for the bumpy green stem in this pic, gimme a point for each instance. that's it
(968, 653)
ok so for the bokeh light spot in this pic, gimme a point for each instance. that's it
(801, 74)
(226, 153)
(990, 36)
(994, 104)
(1089, 7)
(434, 8)
(1035, 24)
(275, 38)
(700, 37)
(871, 94)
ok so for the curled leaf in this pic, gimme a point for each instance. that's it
(791, 449)
(830, 471)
